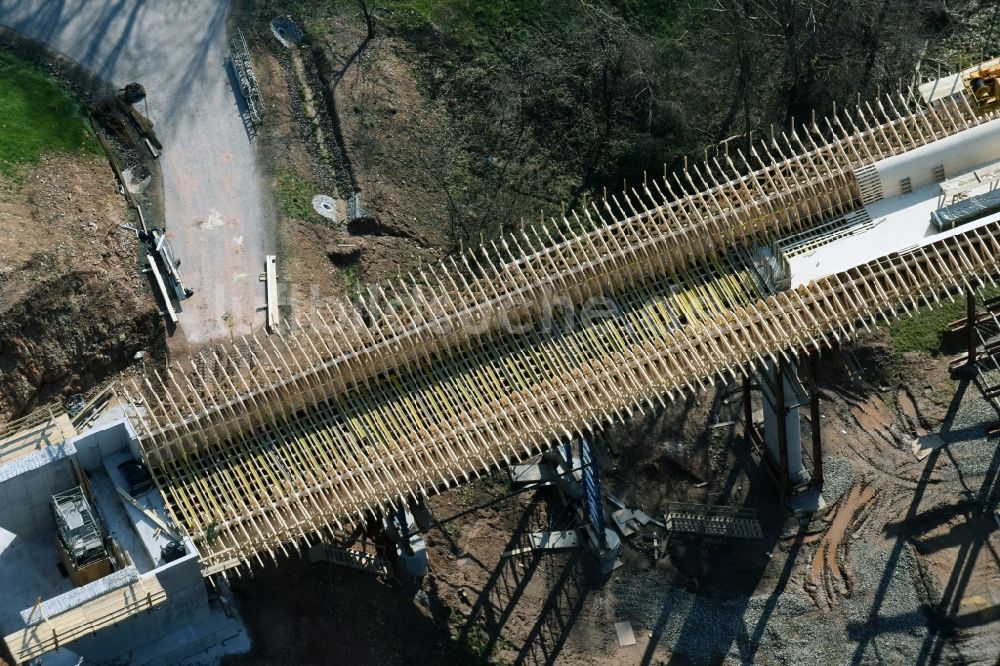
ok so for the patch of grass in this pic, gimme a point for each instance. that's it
(352, 282)
(295, 195)
(475, 648)
(923, 333)
(37, 115)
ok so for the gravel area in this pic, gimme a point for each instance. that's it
(838, 477)
(787, 628)
(881, 619)
(974, 454)
(884, 615)
(703, 629)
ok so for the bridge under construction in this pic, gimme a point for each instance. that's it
(731, 271)
(725, 270)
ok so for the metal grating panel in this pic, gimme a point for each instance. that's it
(248, 81)
(723, 526)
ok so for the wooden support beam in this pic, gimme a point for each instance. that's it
(271, 291)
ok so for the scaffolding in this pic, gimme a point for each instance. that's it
(441, 423)
(792, 182)
(78, 529)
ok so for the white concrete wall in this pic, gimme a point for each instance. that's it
(186, 606)
(793, 427)
(103, 440)
(24, 499)
(958, 154)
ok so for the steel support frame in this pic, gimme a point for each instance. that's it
(970, 328)
(781, 412)
(814, 417)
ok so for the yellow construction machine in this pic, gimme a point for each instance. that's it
(984, 86)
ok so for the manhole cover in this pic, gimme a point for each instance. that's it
(286, 31)
(325, 206)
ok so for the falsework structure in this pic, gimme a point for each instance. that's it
(281, 441)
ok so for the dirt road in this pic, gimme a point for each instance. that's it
(217, 212)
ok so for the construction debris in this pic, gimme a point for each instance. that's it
(132, 93)
(248, 80)
(717, 521)
(561, 540)
(130, 127)
(626, 636)
(629, 521)
(170, 263)
(923, 446)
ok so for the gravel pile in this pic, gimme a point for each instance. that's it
(787, 628)
(838, 477)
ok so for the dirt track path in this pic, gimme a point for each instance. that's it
(217, 212)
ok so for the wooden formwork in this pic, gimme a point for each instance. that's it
(787, 183)
(45, 634)
(430, 425)
(33, 433)
(265, 442)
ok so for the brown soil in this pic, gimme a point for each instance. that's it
(73, 306)
(391, 130)
(383, 144)
(872, 415)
